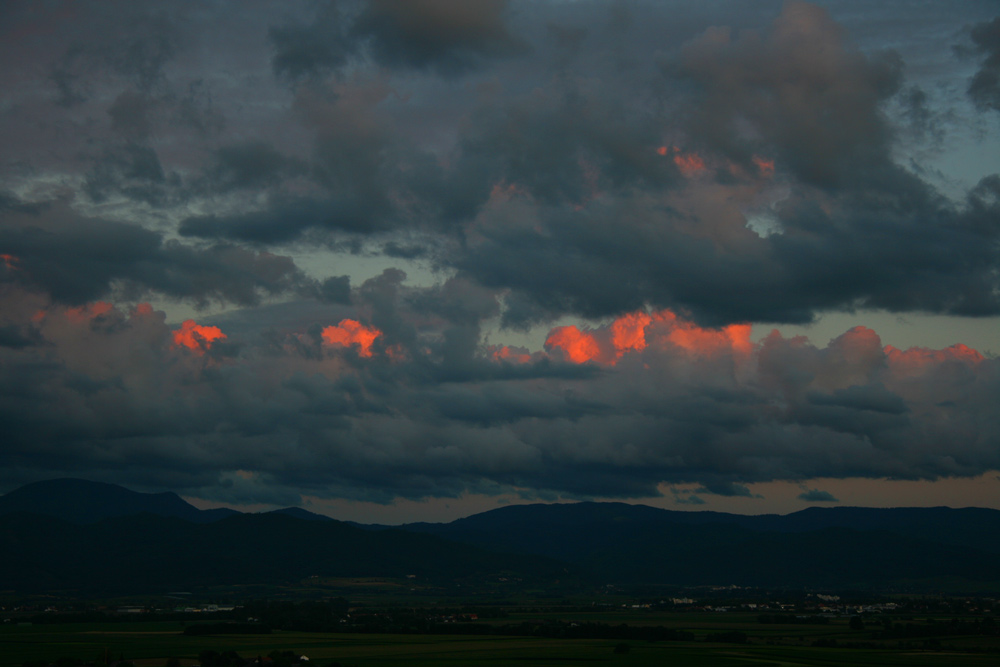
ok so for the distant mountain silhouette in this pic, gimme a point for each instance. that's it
(842, 546)
(300, 513)
(526, 527)
(72, 535)
(974, 527)
(146, 553)
(83, 502)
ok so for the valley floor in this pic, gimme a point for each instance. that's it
(151, 644)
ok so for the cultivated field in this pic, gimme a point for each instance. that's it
(151, 644)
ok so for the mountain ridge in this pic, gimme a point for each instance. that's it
(82, 501)
(158, 541)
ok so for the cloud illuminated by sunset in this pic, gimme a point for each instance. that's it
(196, 337)
(634, 332)
(917, 360)
(508, 353)
(450, 265)
(689, 163)
(629, 332)
(765, 167)
(577, 346)
(351, 332)
(88, 312)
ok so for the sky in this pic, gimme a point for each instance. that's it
(397, 261)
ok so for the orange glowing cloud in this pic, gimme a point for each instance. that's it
(11, 261)
(689, 163)
(143, 310)
(916, 360)
(88, 312)
(628, 332)
(858, 345)
(352, 332)
(196, 337)
(509, 354)
(577, 346)
(665, 328)
(635, 332)
(765, 167)
(397, 353)
(504, 192)
(696, 340)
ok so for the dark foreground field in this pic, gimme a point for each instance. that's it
(151, 644)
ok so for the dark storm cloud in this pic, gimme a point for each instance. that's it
(134, 171)
(902, 249)
(77, 259)
(802, 94)
(130, 114)
(984, 88)
(732, 162)
(895, 245)
(817, 496)
(361, 176)
(922, 122)
(16, 336)
(458, 301)
(309, 49)
(433, 411)
(872, 234)
(598, 188)
(134, 45)
(282, 221)
(727, 489)
(448, 36)
(253, 164)
(875, 399)
(335, 290)
(568, 143)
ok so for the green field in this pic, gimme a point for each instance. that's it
(150, 644)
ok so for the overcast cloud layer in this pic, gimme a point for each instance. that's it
(661, 174)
